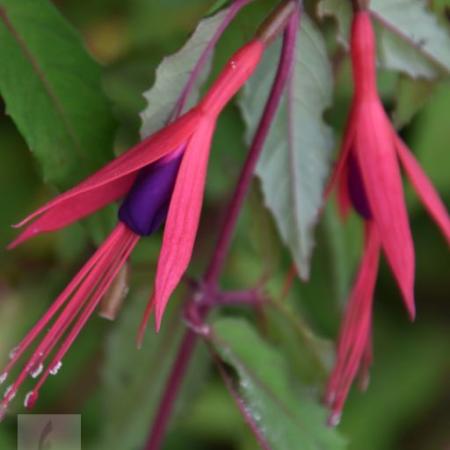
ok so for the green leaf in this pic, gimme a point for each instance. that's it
(411, 97)
(430, 138)
(410, 38)
(133, 380)
(296, 158)
(173, 73)
(406, 380)
(52, 91)
(287, 418)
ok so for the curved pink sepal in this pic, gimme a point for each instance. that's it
(237, 71)
(110, 182)
(183, 218)
(376, 154)
(354, 345)
(424, 188)
(73, 209)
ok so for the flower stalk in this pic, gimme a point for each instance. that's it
(214, 269)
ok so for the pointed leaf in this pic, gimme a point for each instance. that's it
(174, 73)
(52, 90)
(286, 418)
(411, 39)
(296, 158)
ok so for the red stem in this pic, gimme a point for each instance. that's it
(225, 236)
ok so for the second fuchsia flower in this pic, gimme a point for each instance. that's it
(160, 179)
(369, 179)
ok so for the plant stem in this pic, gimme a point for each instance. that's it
(212, 274)
(282, 76)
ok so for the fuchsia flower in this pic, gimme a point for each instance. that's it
(369, 179)
(161, 178)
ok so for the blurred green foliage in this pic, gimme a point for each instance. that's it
(407, 406)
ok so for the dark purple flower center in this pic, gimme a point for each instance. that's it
(356, 188)
(146, 205)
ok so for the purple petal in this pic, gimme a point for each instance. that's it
(357, 190)
(146, 205)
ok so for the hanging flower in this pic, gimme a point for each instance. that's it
(369, 180)
(160, 179)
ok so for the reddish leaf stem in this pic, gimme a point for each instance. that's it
(215, 267)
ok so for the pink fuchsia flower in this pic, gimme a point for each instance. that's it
(369, 179)
(160, 179)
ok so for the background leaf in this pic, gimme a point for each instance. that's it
(133, 380)
(52, 90)
(287, 417)
(411, 97)
(293, 173)
(173, 74)
(411, 39)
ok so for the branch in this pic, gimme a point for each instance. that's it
(211, 277)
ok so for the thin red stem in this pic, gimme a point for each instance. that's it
(216, 264)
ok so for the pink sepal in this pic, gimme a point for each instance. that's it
(182, 221)
(109, 183)
(354, 345)
(424, 188)
(376, 154)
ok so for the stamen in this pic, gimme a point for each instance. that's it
(17, 352)
(37, 370)
(30, 399)
(117, 262)
(10, 393)
(56, 368)
(334, 420)
(92, 282)
(13, 352)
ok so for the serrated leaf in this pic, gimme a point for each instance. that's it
(52, 90)
(287, 419)
(296, 158)
(173, 73)
(410, 38)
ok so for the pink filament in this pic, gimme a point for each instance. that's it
(80, 298)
